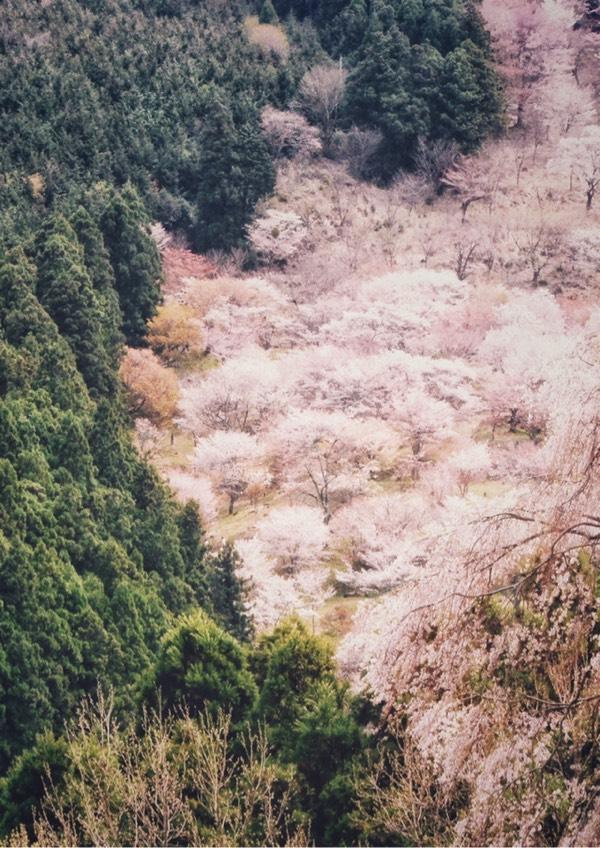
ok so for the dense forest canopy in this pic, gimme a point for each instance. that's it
(133, 676)
(166, 94)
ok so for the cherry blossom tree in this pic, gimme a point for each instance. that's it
(289, 135)
(278, 236)
(148, 437)
(196, 487)
(329, 457)
(243, 394)
(424, 421)
(471, 463)
(234, 460)
(527, 351)
(580, 157)
(474, 179)
(293, 537)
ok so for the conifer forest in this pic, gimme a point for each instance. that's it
(299, 423)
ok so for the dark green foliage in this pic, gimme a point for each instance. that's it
(380, 93)
(115, 112)
(416, 70)
(313, 722)
(345, 33)
(95, 557)
(267, 14)
(202, 667)
(65, 290)
(114, 91)
(418, 74)
(134, 258)
(194, 551)
(287, 664)
(236, 172)
(227, 593)
(23, 786)
(470, 98)
(97, 262)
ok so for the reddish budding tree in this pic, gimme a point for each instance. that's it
(152, 389)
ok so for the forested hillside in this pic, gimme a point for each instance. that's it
(299, 422)
(167, 94)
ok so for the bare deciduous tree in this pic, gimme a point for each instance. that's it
(358, 147)
(177, 782)
(473, 179)
(320, 97)
(465, 252)
(434, 158)
(537, 247)
(412, 190)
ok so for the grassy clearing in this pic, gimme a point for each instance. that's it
(489, 488)
(502, 436)
(197, 363)
(335, 618)
(245, 516)
(176, 450)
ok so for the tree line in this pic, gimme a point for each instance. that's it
(116, 113)
(167, 94)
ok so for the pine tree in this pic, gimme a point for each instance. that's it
(227, 592)
(380, 90)
(65, 289)
(134, 258)
(97, 261)
(235, 170)
(267, 15)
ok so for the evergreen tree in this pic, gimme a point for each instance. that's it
(97, 261)
(65, 290)
(328, 740)
(134, 258)
(193, 550)
(227, 593)
(287, 664)
(344, 34)
(426, 70)
(409, 15)
(267, 15)
(235, 170)
(470, 99)
(23, 786)
(203, 667)
(380, 90)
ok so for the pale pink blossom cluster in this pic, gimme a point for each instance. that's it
(382, 415)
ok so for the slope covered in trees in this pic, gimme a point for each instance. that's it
(397, 423)
(166, 94)
(97, 559)
(392, 432)
(116, 113)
